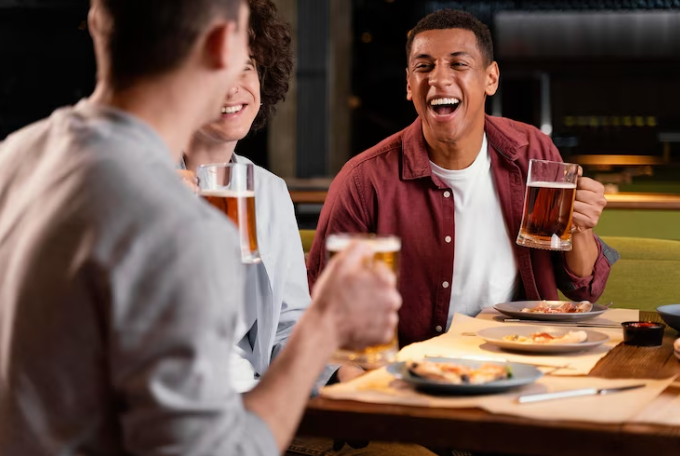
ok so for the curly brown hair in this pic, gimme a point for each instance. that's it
(271, 45)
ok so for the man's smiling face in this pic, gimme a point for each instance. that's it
(448, 79)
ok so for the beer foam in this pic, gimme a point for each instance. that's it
(338, 243)
(220, 193)
(563, 185)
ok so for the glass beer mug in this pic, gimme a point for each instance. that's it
(230, 188)
(387, 250)
(548, 205)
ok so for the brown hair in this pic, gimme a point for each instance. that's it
(450, 19)
(152, 37)
(272, 47)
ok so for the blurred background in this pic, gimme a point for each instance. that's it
(602, 78)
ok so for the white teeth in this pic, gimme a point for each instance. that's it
(444, 101)
(231, 109)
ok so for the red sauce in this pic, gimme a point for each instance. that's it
(644, 324)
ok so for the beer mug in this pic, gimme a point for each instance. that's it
(386, 249)
(548, 205)
(230, 188)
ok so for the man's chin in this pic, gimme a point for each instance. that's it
(448, 132)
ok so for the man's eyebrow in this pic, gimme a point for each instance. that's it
(453, 54)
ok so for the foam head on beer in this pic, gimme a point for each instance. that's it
(385, 248)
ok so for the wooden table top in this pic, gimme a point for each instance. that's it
(479, 431)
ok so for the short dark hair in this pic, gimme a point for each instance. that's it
(450, 19)
(271, 45)
(152, 37)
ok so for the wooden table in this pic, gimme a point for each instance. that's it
(479, 431)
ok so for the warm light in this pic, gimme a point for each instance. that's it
(366, 37)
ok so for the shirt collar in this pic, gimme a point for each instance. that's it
(416, 161)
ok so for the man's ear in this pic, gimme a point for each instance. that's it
(409, 95)
(492, 78)
(96, 22)
(219, 44)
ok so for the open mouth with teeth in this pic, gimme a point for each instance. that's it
(232, 109)
(444, 106)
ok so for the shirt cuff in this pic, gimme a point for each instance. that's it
(329, 373)
(593, 285)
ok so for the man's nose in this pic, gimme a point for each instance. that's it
(440, 76)
(233, 91)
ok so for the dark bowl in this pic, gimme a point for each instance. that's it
(671, 315)
(643, 333)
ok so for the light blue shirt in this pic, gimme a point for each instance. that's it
(276, 288)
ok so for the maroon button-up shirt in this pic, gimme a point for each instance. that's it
(390, 189)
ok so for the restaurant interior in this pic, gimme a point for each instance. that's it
(601, 78)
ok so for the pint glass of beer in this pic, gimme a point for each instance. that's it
(386, 249)
(230, 188)
(548, 205)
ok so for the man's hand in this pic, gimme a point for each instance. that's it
(359, 296)
(189, 179)
(589, 203)
(588, 206)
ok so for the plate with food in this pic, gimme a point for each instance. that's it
(551, 310)
(543, 339)
(464, 376)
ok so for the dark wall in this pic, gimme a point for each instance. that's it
(626, 72)
(46, 59)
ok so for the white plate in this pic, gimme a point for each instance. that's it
(495, 336)
(522, 374)
(514, 309)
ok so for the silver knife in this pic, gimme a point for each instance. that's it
(559, 323)
(531, 398)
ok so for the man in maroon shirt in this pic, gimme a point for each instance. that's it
(400, 187)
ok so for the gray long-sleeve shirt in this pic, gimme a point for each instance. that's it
(119, 294)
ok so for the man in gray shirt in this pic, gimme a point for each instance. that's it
(120, 289)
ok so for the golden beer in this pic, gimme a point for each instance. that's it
(387, 250)
(548, 210)
(239, 206)
(548, 206)
(230, 188)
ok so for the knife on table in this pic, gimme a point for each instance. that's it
(531, 398)
(558, 323)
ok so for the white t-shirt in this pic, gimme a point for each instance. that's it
(484, 265)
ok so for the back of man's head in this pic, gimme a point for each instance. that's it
(151, 37)
(451, 19)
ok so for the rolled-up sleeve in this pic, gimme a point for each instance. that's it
(591, 287)
(170, 335)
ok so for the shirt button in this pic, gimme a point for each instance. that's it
(445, 284)
(448, 239)
(447, 194)
(438, 328)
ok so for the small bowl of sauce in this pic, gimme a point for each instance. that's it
(643, 333)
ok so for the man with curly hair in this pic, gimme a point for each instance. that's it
(277, 289)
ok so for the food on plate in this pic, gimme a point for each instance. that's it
(560, 307)
(572, 337)
(458, 374)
